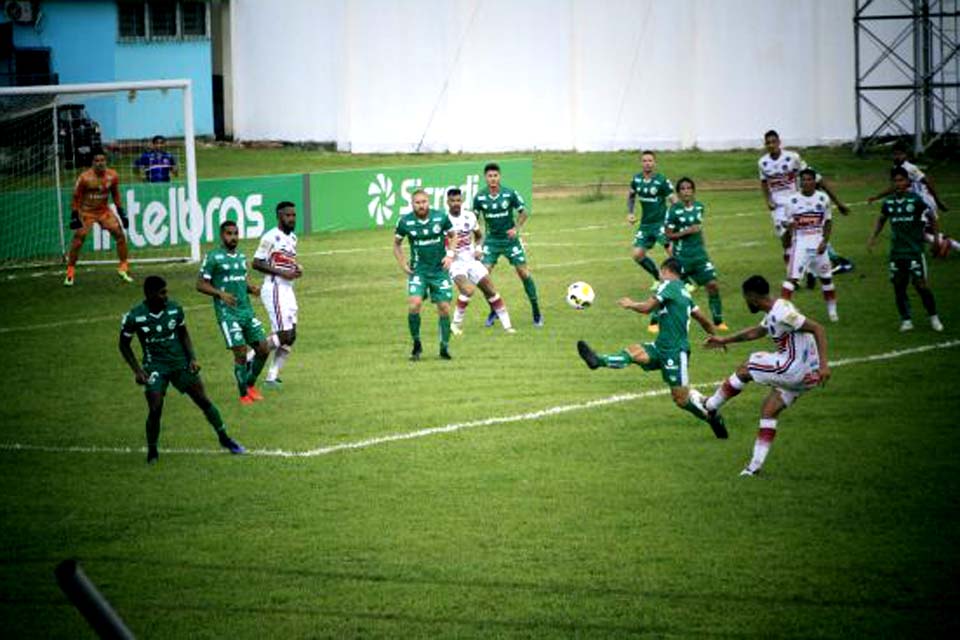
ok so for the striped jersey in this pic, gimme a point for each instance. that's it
(780, 173)
(279, 250)
(463, 226)
(782, 323)
(808, 214)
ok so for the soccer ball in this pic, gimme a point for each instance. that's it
(580, 295)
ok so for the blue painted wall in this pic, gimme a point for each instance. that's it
(84, 47)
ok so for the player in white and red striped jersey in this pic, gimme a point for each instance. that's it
(810, 224)
(798, 364)
(779, 170)
(276, 257)
(467, 271)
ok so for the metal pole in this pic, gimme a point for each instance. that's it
(196, 221)
(56, 173)
(858, 147)
(83, 594)
(917, 81)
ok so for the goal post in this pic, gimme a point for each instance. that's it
(47, 137)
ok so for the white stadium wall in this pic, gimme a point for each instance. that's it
(494, 75)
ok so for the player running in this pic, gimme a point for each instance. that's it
(91, 194)
(809, 224)
(798, 365)
(683, 226)
(431, 239)
(909, 215)
(496, 205)
(654, 192)
(778, 182)
(671, 351)
(467, 271)
(168, 359)
(276, 257)
(223, 276)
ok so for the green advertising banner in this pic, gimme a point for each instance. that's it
(375, 198)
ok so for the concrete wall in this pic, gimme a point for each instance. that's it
(485, 75)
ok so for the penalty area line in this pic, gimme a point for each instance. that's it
(457, 426)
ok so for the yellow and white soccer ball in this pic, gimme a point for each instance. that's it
(580, 295)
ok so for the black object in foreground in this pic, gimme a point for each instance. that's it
(89, 601)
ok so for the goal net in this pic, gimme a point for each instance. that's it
(49, 135)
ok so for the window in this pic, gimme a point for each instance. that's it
(140, 20)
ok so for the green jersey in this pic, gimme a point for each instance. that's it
(427, 248)
(228, 272)
(652, 194)
(674, 316)
(688, 249)
(157, 333)
(497, 210)
(907, 220)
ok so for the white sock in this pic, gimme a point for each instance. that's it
(279, 359)
(728, 389)
(273, 341)
(761, 447)
(500, 310)
(460, 310)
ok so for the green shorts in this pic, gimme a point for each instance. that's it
(181, 379)
(239, 330)
(511, 249)
(648, 235)
(672, 365)
(915, 266)
(436, 286)
(699, 273)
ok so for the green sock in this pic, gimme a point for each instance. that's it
(240, 373)
(716, 307)
(153, 432)
(444, 331)
(650, 267)
(212, 414)
(618, 360)
(692, 408)
(256, 366)
(833, 255)
(413, 321)
(530, 287)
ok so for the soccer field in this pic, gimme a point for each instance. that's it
(510, 492)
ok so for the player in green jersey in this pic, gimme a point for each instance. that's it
(654, 192)
(683, 226)
(671, 350)
(223, 277)
(431, 252)
(496, 205)
(168, 359)
(908, 215)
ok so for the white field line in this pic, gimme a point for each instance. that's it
(458, 426)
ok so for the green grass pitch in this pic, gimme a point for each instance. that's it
(621, 519)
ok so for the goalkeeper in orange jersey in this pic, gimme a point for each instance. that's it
(91, 195)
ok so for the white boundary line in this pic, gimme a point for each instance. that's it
(457, 426)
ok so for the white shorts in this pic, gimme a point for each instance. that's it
(805, 259)
(473, 269)
(780, 218)
(281, 305)
(789, 378)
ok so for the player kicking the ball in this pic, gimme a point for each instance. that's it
(671, 351)
(467, 271)
(168, 359)
(276, 256)
(223, 276)
(431, 239)
(798, 365)
(809, 224)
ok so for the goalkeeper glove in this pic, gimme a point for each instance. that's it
(124, 220)
(75, 220)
